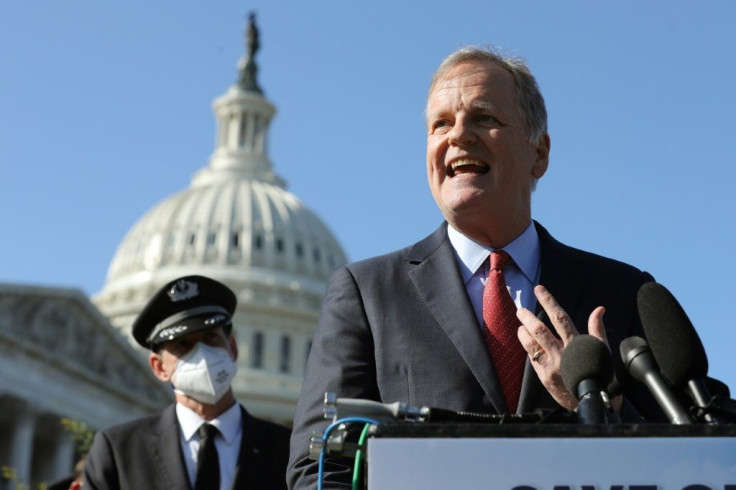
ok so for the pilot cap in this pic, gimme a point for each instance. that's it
(183, 306)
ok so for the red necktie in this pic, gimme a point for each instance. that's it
(499, 315)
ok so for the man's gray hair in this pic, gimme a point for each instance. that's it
(529, 100)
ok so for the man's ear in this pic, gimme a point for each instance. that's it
(540, 165)
(233, 346)
(157, 366)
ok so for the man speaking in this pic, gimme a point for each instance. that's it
(434, 324)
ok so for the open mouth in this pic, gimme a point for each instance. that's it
(467, 166)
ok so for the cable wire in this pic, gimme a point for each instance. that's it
(357, 468)
(326, 435)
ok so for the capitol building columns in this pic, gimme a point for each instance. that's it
(50, 345)
(35, 445)
(61, 450)
(20, 424)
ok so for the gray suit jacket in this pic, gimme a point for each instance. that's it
(146, 454)
(400, 327)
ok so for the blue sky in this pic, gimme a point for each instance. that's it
(105, 109)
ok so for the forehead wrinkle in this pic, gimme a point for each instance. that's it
(457, 92)
(453, 93)
(450, 100)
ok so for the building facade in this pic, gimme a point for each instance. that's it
(61, 359)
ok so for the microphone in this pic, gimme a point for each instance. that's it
(675, 344)
(640, 364)
(587, 370)
(337, 408)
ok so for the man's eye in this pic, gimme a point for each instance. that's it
(182, 346)
(440, 126)
(484, 118)
(213, 339)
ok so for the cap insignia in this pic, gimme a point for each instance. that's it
(183, 290)
(215, 319)
(171, 331)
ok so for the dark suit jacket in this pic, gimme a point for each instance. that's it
(400, 327)
(146, 454)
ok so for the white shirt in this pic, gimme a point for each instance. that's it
(521, 273)
(230, 426)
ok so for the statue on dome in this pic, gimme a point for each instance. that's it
(248, 68)
(252, 36)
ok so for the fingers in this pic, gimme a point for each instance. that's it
(596, 327)
(528, 342)
(559, 317)
(533, 334)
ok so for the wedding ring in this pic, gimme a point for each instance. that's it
(537, 353)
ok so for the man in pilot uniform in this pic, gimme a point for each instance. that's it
(206, 440)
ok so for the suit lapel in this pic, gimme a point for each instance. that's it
(433, 271)
(247, 469)
(164, 447)
(561, 274)
(564, 278)
(533, 393)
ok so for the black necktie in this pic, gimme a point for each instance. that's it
(208, 464)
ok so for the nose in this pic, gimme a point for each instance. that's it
(461, 133)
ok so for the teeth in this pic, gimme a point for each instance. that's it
(461, 163)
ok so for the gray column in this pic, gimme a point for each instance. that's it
(22, 443)
(63, 458)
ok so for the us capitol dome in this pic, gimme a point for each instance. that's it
(238, 224)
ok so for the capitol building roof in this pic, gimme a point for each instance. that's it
(231, 221)
(238, 224)
(237, 215)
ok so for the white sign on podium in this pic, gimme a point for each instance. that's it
(647, 463)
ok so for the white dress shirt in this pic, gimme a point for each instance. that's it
(521, 273)
(230, 426)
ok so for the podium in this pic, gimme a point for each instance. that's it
(552, 457)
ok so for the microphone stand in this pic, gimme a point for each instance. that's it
(718, 410)
(594, 406)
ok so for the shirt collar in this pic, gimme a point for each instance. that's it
(229, 423)
(471, 255)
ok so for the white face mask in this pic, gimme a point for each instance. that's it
(204, 373)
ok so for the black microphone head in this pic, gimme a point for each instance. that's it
(631, 345)
(672, 338)
(585, 358)
(630, 348)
